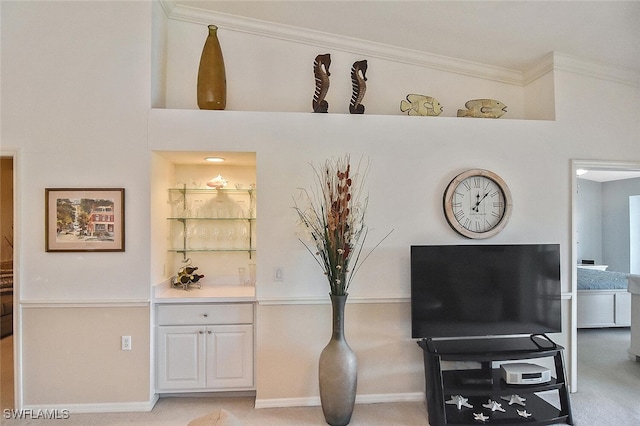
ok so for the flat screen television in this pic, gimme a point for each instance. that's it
(485, 290)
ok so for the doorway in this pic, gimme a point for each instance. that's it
(607, 170)
(7, 298)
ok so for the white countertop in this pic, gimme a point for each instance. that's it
(206, 294)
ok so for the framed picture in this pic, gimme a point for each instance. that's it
(84, 219)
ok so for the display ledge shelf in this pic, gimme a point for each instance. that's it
(253, 131)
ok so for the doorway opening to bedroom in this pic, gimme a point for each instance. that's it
(603, 227)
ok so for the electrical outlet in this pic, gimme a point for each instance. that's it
(126, 343)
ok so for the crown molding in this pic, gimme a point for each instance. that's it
(550, 62)
(538, 69)
(573, 64)
(345, 44)
(167, 6)
(557, 61)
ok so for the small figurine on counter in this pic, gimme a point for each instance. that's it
(187, 276)
(359, 84)
(483, 108)
(421, 105)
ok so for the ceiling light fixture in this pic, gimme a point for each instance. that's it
(214, 159)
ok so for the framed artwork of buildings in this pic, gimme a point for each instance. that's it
(84, 219)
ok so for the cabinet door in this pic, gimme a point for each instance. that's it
(230, 356)
(181, 357)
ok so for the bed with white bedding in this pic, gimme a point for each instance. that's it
(603, 299)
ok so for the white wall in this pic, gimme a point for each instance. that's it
(589, 221)
(75, 98)
(76, 91)
(617, 221)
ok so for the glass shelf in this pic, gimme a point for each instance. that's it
(209, 214)
(212, 190)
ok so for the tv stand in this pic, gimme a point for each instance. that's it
(479, 387)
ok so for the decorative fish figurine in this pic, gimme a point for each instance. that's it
(321, 73)
(483, 108)
(359, 84)
(421, 105)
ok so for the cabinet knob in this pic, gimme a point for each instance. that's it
(201, 332)
(209, 331)
(206, 315)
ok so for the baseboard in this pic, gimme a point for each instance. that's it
(360, 399)
(116, 407)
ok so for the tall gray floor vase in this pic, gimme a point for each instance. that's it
(338, 371)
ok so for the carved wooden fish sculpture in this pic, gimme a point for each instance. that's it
(421, 105)
(483, 108)
(321, 72)
(358, 82)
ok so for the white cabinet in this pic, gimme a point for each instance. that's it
(205, 347)
(181, 357)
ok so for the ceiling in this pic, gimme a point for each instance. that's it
(197, 158)
(610, 175)
(507, 34)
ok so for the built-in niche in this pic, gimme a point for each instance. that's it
(205, 213)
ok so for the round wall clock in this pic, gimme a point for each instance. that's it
(477, 203)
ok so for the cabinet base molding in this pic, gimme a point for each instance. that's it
(205, 394)
(115, 407)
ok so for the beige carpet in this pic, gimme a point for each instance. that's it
(609, 395)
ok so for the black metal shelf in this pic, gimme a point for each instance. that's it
(456, 382)
(484, 384)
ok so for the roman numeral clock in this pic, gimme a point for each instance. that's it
(477, 203)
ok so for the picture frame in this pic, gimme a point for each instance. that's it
(84, 219)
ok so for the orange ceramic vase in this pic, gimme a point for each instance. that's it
(212, 81)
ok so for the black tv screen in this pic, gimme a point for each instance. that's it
(485, 290)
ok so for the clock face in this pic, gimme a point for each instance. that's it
(477, 203)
